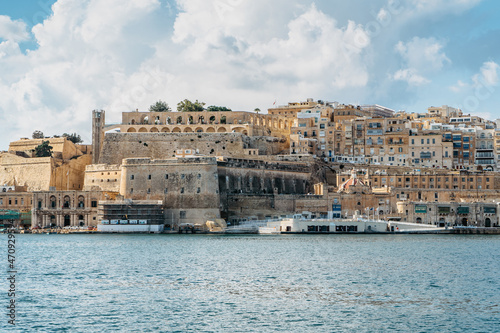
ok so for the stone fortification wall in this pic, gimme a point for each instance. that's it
(61, 147)
(258, 187)
(35, 173)
(102, 177)
(118, 146)
(187, 186)
(70, 174)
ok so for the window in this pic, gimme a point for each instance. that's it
(166, 176)
(182, 189)
(131, 177)
(198, 190)
(149, 177)
(166, 190)
(199, 175)
(412, 141)
(433, 141)
(94, 202)
(182, 176)
(182, 214)
(149, 190)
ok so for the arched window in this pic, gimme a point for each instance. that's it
(67, 202)
(53, 202)
(81, 201)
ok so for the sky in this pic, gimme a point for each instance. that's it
(59, 60)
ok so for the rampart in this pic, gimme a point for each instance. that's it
(118, 146)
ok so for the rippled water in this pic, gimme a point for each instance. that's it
(286, 283)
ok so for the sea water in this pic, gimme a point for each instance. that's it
(252, 283)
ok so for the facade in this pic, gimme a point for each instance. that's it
(479, 214)
(65, 208)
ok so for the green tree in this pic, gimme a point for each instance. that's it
(37, 135)
(256, 110)
(43, 150)
(75, 138)
(188, 106)
(160, 106)
(218, 108)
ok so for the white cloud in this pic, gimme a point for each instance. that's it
(455, 6)
(488, 74)
(12, 30)
(459, 86)
(421, 56)
(410, 75)
(486, 77)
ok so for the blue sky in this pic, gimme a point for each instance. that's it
(61, 59)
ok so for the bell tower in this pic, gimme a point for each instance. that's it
(98, 122)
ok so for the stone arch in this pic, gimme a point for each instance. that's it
(201, 120)
(131, 130)
(145, 119)
(176, 130)
(132, 122)
(198, 130)
(67, 220)
(211, 120)
(190, 120)
(169, 121)
(238, 129)
(286, 124)
(221, 130)
(143, 130)
(487, 222)
(280, 124)
(81, 201)
(188, 130)
(157, 120)
(66, 201)
(154, 130)
(210, 130)
(179, 120)
(165, 130)
(53, 202)
(223, 119)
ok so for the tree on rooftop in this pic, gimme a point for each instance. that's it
(75, 138)
(37, 135)
(218, 108)
(43, 150)
(257, 110)
(160, 106)
(188, 106)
